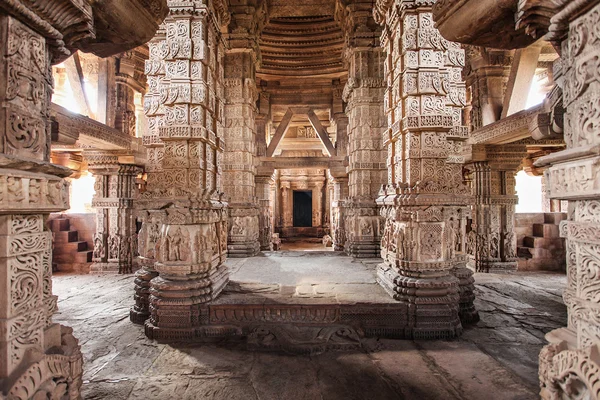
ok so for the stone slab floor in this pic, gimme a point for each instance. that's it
(495, 359)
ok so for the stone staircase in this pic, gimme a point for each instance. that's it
(69, 253)
(543, 248)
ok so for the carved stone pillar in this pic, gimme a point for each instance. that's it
(38, 358)
(239, 167)
(286, 205)
(115, 241)
(338, 231)
(493, 244)
(149, 235)
(366, 156)
(487, 72)
(569, 364)
(263, 192)
(425, 202)
(184, 217)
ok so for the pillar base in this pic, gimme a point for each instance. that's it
(243, 249)
(56, 374)
(113, 267)
(178, 304)
(493, 267)
(140, 312)
(433, 302)
(466, 289)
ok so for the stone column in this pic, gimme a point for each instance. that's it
(425, 202)
(366, 156)
(38, 358)
(492, 240)
(286, 205)
(239, 167)
(338, 231)
(487, 71)
(151, 218)
(263, 192)
(115, 241)
(317, 204)
(185, 218)
(569, 364)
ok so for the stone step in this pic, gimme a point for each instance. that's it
(72, 257)
(548, 243)
(554, 218)
(524, 252)
(542, 264)
(546, 230)
(66, 237)
(60, 224)
(71, 247)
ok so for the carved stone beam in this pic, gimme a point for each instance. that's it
(75, 75)
(321, 131)
(280, 132)
(520, 79)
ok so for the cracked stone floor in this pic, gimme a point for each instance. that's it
(495, 359)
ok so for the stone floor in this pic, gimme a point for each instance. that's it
(304, 244)
(495, 359)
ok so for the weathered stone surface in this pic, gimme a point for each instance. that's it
(520, 308)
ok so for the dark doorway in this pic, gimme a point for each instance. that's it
(302, 208)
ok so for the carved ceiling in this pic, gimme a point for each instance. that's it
(301, 46)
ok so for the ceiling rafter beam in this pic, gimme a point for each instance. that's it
(280, 132)
(321, 132)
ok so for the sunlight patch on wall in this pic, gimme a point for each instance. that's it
(81, 194)
(529, 190)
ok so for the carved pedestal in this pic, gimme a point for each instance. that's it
(425, 201)
(115, 241)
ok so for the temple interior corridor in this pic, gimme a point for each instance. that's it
(498, 355)
(285, 199)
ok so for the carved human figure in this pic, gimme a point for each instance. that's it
(494, 249)
(53, 195)
(15, 190)
(34, 191)
(399, 239)
(98, 246)
(113, 246)
(471, 240)
(175, 241)
(365, 228)
(509, 249)
(237, 228)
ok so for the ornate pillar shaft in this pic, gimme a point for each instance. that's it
(425, 202)
(38, 358)
(366, 167)
(265, 228)
(338, 231)
(239, 169)
(569, 364)
(125, 119)
(185, 220)
(115, 241)
(149, 235)
(492, 243)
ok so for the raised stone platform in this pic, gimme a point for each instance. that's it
(304, 302)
